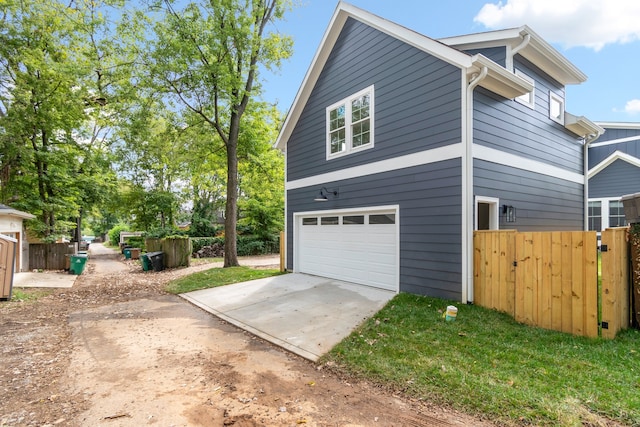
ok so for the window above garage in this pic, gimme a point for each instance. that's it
(350, 124)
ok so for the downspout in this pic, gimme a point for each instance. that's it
(467, 191)
(588, 139)
(525, 41)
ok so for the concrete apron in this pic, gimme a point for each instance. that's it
(307, 315)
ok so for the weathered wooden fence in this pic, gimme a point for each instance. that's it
(177, 251)
(550, 279)
(50, 256)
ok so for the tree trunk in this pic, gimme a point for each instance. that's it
(231, 208)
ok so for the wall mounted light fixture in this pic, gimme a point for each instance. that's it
(509, 213)
(322, 195)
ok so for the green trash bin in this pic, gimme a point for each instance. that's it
(146, 262)
(127, 253)
(77, 263)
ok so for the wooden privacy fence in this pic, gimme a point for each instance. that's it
(50, 256)
(177, 251)
(550, 279)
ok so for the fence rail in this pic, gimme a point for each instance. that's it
(550, 279)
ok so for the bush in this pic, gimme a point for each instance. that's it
(114, 233)
(247, 245)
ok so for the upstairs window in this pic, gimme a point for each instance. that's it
(528, 99)
(556, 108)
(350, 124)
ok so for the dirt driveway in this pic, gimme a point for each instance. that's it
(117, 351)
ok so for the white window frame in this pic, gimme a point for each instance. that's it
(348, 125)
(528, 99)
(605, 220)
(494, 212)
(554, 98)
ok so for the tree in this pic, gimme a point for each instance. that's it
(52, 158)
(206, 57)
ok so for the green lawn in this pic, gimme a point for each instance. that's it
(487, 364)
(217, 277)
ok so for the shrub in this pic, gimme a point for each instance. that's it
(114, 233)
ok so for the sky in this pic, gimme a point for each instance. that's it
(600, 37)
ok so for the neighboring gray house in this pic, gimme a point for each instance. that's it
(398, 146)
(614, 171)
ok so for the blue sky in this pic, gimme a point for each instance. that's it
(600, 37)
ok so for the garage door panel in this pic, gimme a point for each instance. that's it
(361, 253)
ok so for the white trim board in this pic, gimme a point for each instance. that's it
(507, 159)
(448, 152)
(616, 155)
(615, 141)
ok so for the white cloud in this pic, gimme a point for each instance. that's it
(590, 23)
(633, 106)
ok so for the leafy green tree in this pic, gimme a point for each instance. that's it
(206, 57)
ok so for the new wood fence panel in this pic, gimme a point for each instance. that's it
(554, 283)
(494, 274)
(615, 282)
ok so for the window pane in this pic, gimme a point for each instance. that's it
(361, 133)
(382, 219)
(360, 108)
(595, 216)
(336, 118)
(338, 141)
(353, 220)
(309, 221)
(616, 214)
(329, 220)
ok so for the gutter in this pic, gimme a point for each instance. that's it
(467, 190)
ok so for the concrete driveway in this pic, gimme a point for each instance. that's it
(304, 314)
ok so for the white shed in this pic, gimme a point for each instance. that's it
(11, 225)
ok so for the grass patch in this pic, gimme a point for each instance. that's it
(486, 363)
(28, 295)
(217, 277)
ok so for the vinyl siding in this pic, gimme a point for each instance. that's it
(616, 180)
(417, 101)
(598, 154)
(517, 129)
(429, 197)
(496, 54)
(542, 203)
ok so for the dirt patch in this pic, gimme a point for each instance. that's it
(117, 351)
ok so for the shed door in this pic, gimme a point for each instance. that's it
(359, 247)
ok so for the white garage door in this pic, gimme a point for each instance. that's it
(358, 246)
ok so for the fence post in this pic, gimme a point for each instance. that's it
(282, 266)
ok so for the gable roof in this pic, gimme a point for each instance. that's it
(9, 211)
(498, 79)
(526, 42)
(617, 155)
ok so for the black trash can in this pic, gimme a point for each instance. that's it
(157, 260)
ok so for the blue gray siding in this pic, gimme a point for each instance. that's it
(496, 54)
(598, 153)
(517, 129)
(417, 101)
(543, 203)
(429, 197)
(616, 180)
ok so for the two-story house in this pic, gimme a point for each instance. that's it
(614, 171)
(399, 146)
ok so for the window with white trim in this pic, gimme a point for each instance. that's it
(528, 99)
(616, 214)
(595, 215)
(556, 108)
(605, 213)
(350, 124)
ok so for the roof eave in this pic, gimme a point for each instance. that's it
(581, 126)
(342, 13)
(500, 80)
